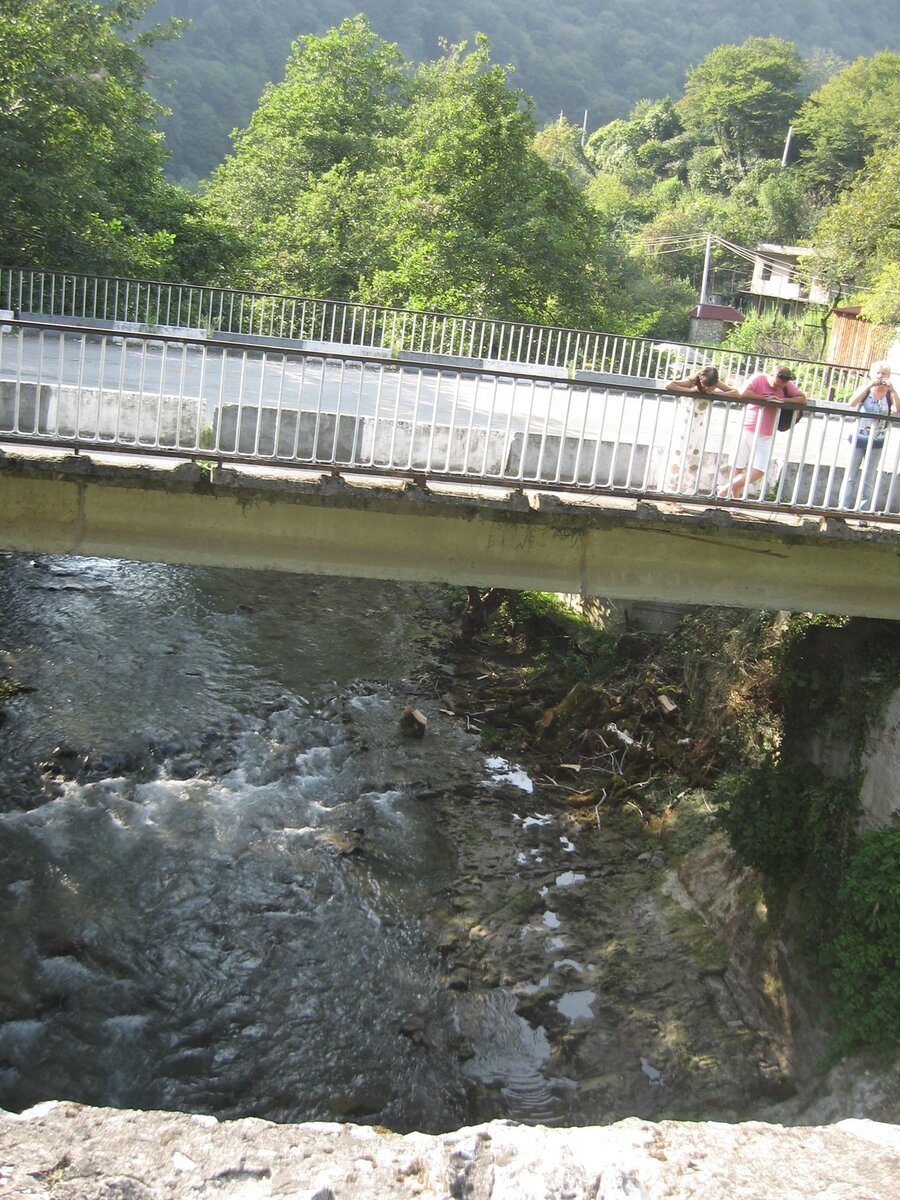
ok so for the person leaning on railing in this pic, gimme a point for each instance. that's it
(877, 398)
(760, 421)
(685, 464)
(706, 381)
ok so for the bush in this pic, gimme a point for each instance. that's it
(772, 333)
(866, 949)
(562, 640)
(796, 825)
(762, 813)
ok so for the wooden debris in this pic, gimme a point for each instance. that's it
(413, 722)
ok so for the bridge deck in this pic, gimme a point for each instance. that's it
(534, 479)
(619, 548)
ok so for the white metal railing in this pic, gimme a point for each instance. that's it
(211, 311)
(351, 412)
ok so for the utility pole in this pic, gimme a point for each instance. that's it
(785, 158)
(706, 258)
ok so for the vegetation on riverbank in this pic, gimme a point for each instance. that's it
(749, 722)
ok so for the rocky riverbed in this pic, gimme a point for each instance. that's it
(624, 929)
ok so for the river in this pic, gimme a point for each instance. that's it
(215, 861)
(230, 885)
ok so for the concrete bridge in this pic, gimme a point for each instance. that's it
(258, 452)
(446, 532)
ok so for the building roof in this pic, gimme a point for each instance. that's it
(716, 312)
(784, 251)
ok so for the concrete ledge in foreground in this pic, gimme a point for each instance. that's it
(64, 1149)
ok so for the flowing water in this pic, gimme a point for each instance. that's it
(217, 857)
(230, 885)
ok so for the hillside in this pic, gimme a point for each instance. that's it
(571, 58)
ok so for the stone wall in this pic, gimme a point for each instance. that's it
(880, 793)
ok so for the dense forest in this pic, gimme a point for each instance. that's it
(363, 174)
(572, 58)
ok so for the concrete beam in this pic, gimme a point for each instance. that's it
(72, 505)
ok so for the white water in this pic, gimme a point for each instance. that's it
(217, 860)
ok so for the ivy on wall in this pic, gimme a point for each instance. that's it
(798, 823)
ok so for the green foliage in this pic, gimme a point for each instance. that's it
(477, 221)
(708, 170)
(298, 190)
(650, 143)
(455, 598)
(712, 163)
(689, 821)
(761, 811)
(761, 686)
(83, 185)
(335, 106)
(795, 825)
(881, 304)
(775, 335)
(618, 207)
(559, 637)
(865, 952)
(858, 239)
(775, 204)
(362, 178)
(800, 826)
(815, 681)
(10, 688)
(559, 145)
(741, 99)
(603, 58)
(854, 115)
(660, 305)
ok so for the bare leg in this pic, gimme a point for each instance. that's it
(739, 482)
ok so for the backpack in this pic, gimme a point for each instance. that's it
(788, 418)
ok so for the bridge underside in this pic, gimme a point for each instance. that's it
(611, 548)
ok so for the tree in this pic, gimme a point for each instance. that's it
(569, 57)
(83, 185)
(851, 117)
(649, 145)
(559, 145)
(477, 221)
(361, 178)
(857, 242)
(742, 99)
(298, 187)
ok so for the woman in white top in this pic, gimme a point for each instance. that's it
(877, 398)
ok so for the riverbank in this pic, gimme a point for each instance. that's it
(604, 897)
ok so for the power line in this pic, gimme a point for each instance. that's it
(673, 244)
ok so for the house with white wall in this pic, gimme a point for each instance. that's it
(775, 276)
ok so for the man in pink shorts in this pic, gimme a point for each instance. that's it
(755, 447)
